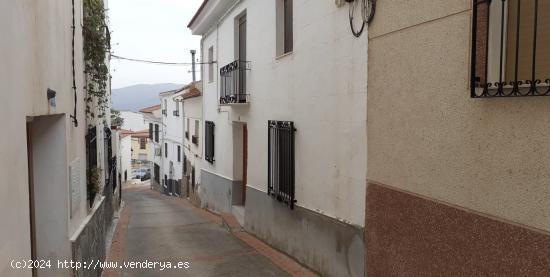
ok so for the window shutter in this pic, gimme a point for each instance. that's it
(209, 141)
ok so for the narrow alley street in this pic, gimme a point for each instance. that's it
(157, 228)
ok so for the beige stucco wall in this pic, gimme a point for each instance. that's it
(138, 151)
(427, 136)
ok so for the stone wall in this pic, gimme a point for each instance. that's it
(89, 246)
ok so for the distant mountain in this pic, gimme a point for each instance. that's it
(134, 98)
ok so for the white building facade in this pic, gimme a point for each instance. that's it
(289, 139)
(171, 159)
(191, 99)
(133, 121)
(153, 118)
(45, 204)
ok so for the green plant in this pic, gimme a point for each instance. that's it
(96, 46)
(116, 120)
(93, 177)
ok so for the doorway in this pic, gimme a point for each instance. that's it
(245, 162)
(240, 163)
(48, 191)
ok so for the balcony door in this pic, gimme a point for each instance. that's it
(242, 59)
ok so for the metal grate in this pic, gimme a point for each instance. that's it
(156, 133)
(91, 151)
(209, 141)
(510, 48)
(157, 173)
(281, 161)
(233, 88)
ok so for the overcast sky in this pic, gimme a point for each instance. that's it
(152, 30)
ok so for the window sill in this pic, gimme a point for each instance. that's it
(282, 56)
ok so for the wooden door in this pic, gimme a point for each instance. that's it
(245, 161)
(31, 197)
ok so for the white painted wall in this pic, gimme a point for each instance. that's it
(156, 119)
(172, 135)
(321, 86)
(133, 121)
(35, 51)
(193, 112)
(126, 156)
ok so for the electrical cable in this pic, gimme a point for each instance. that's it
(154, 62)
(368, 8)
(73, 116)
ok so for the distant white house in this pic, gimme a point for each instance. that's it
(126, 155)
(133, 121)
(193, 138)
(171, 164)
(153, 118)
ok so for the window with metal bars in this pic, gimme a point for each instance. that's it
(156, 133)
(511, 48)
(91, 157)
(151, 131)
(184, 164)
(281, 161)
(142, 143)
(179, 153)
(157, 173)
(209, 141)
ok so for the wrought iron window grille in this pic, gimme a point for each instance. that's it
(209, 141)
(233, 85)
(195, 140)
(184, 165)
(510, 55)
(176, 113)
(281, 165)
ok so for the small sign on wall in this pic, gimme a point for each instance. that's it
(74, 183)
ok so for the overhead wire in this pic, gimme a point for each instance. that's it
(155, 62)
(368, 8)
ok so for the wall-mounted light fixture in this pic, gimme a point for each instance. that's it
(50, 94)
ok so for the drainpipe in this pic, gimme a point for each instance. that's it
(193, 64)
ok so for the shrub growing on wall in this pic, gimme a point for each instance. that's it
(96, 46)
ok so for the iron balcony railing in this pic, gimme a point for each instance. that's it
(281, 161)
(510, 52)
(233, 85)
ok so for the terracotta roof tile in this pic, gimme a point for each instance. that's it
(150, 109)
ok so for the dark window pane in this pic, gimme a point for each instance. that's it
(288, 13)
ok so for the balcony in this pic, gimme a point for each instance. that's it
(195, 140)
(233, 89)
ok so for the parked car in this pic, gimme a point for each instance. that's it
(147, 176)
(142, 174)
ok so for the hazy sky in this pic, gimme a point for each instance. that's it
(152, 30)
